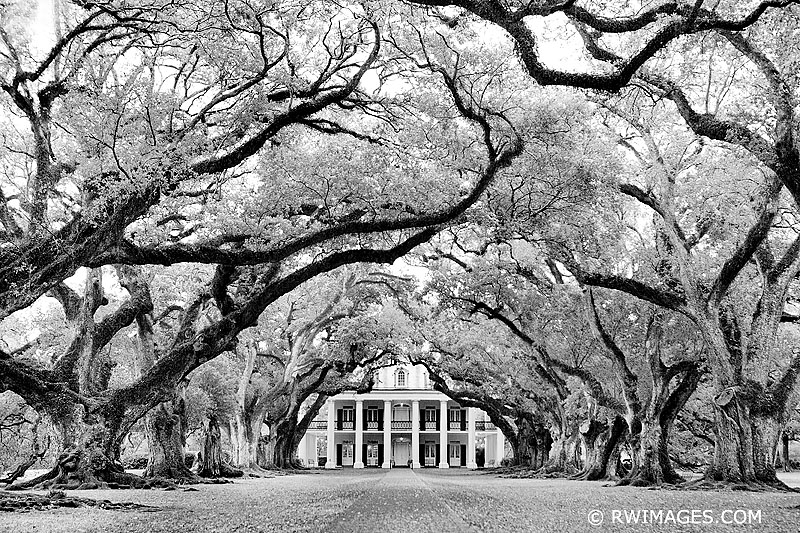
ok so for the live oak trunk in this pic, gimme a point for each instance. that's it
(653, 465)
(543, 447)
(245, 427)
(787, 463)
(246, 431)
(531, 444)
(284, 452)
(524, 443)
(281, 445)
(91, 434)
(166, 439)
(602, 440)
(210, 462)
(563, 457)
(287, 426)
(165, 424)
(767, 431)
(262, 451)
(752, 397)
(747, 427)
(89, 463)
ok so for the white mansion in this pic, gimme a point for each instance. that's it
(402, 422)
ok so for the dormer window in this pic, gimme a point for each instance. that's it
(400, 379)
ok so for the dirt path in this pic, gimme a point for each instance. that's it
(400, 501)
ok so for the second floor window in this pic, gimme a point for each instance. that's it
(400, 379)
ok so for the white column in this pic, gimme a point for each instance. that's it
(387, 434)
(500, 447)
(331, 462)
(415, 434)
(471, 414)
(302, 450)
(444, 460)
(359, 460)
(312, 461)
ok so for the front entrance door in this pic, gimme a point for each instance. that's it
(454, 453)
(430, 454)
(401, 452)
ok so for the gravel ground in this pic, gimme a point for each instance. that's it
(406, 500)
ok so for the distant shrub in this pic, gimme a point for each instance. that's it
(135, 461)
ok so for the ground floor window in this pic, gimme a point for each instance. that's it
(430, 454)
(372, 454)
(347, 453)
(454, 453)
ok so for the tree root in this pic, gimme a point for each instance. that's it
(26, 502)
(524, 472)
(287, 469)
(747, 486)
(74, 471)
(225, 471)
(222, 470)
(180, 475)
(641, 481)
(257, 471)
(292, 466)
(591, 474)
(553, 471)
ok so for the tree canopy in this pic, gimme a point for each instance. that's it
(601, 196)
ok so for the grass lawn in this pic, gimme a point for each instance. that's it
(405, 500)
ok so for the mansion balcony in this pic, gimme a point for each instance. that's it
(402, 425)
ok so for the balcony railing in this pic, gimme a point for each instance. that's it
(318, 424)
(398, 425)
